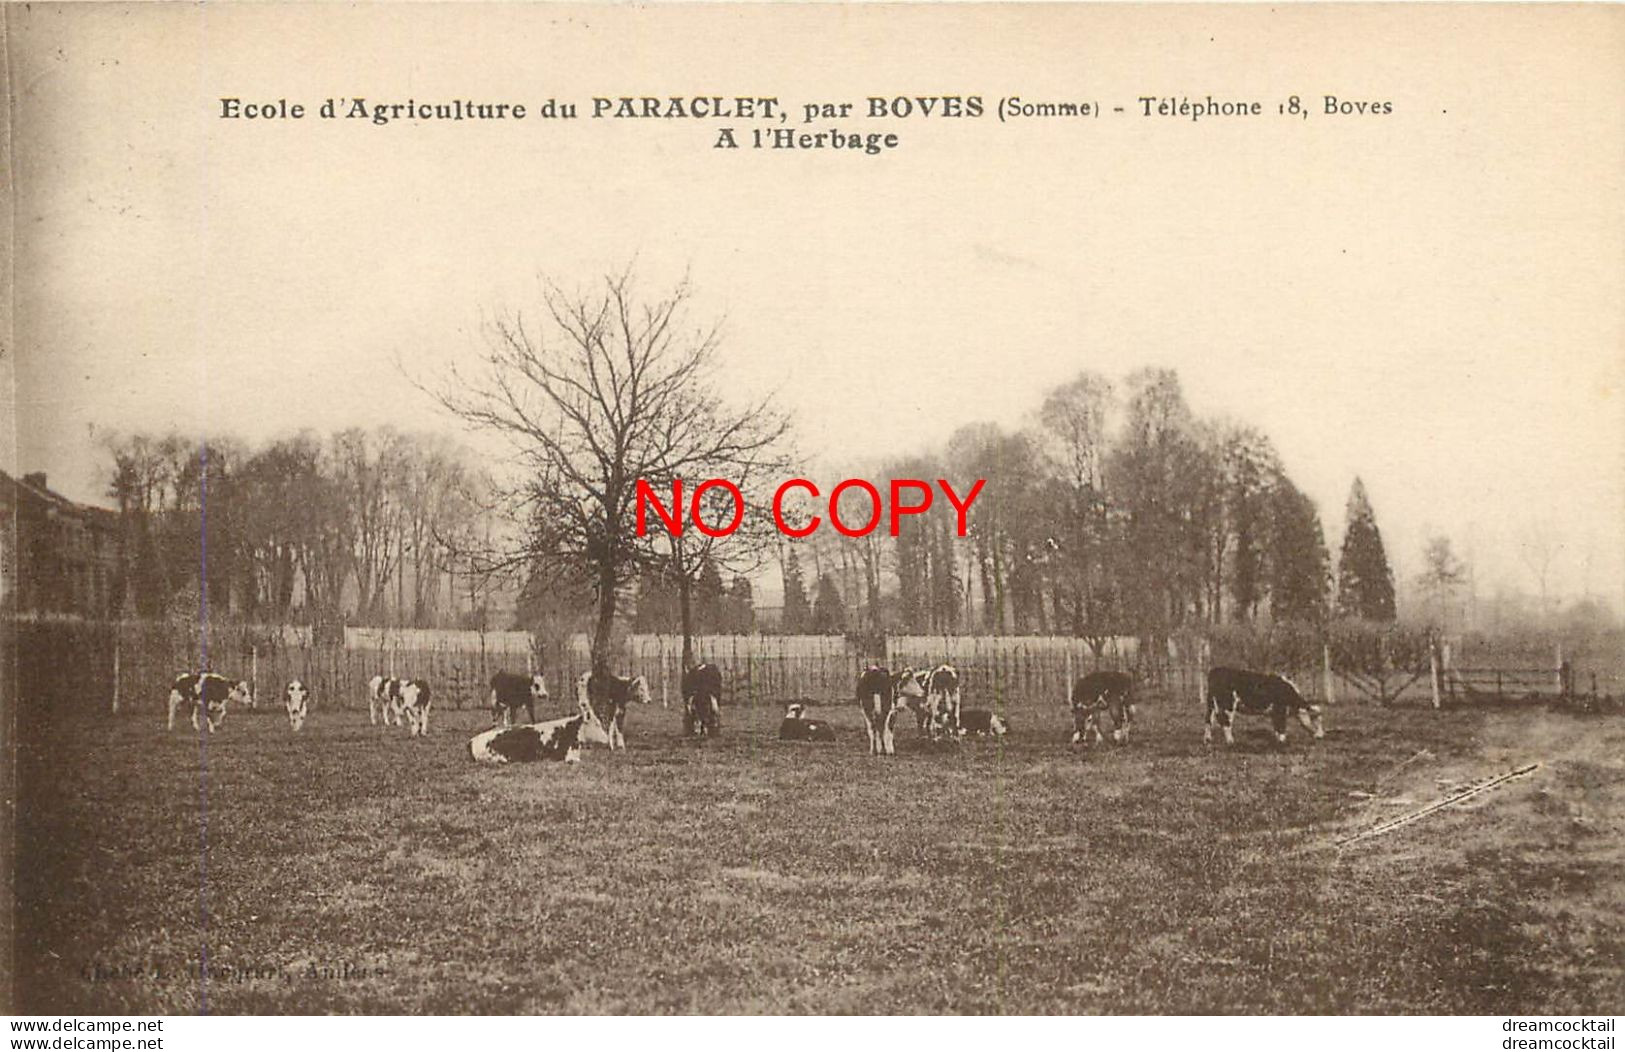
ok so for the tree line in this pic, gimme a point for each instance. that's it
(357, 524)
(1115, 510)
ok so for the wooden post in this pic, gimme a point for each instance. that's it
(115, 665)
(1066, 686)
(1434, 663)
(253, 674)
(1559, 668)
(665, 676)
(1326, 663)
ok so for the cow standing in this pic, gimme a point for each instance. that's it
(510, 693)
(384, 700)
(702, 701)
(207, 693)
(607, 696)
(881, 695)
(296, 698)
(414, 705)
(1231, 691)
(1111, 693)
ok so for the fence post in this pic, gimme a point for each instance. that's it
(1066, 687)
(1559, 668)
(665, 676)
(115, 665)
(1433, 660)
(1326, 663)
(253, 673)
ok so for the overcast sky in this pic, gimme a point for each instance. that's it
(1431, 300)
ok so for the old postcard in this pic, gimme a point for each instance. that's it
(815, 509)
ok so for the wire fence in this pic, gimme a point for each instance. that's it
(129, 665)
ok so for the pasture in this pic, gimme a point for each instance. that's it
(350, 869)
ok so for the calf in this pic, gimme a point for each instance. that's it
(558, 740)
(297, 700)
(1231, 691)
(384, 700)
(1102, 692)
(702, 701)
(796, 727)
(983, 723)
(207, 694)
(414, 704)
(881, 695)
(606, 695)
(510, 693)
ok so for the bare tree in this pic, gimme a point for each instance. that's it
(1538, 549)
(607, 389)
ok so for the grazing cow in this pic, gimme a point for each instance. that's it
(384, 700)
(558, 740)
(881, 695)
(414, 701)
(1231, 691)
(606, 696)
(1102, 692)
(297, 699)
(207, 693)
(702, 701)
(942, 700)
(510, 693)
(983, 723)
(796, 727)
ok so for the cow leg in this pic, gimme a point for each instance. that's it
(1278, 723)
(1128, 721)
(423, 722)
(888, 739)
(196, 724)
(174, 703)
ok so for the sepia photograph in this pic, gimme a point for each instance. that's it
(828, 509)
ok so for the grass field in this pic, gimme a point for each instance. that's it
(352, 870)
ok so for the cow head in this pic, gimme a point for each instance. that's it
(640, 689)
(538, 687)
(795, 711)
(297, 699)
(1309, 716)
(906, 684)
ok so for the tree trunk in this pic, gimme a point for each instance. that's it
(685, 590)
(603, 631)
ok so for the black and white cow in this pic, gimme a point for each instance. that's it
(983, 723)
(1231, 691)
(207, 693)
(558, 740)
(384, 700)
(606, 696)
(296, 698)
(702, 701)
(1108, 692)
(414, 698)
(881, 695)
(511, 692)
(797, 727)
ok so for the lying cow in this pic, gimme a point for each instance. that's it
(797, 727)
(296, 698)
(1111, 693)
(606, 696)
(983, 723)
(702, 701)
(881, 695)
(384, 700)
(558, 740)
(1231, 691)
(207, 693)
(510, 693)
